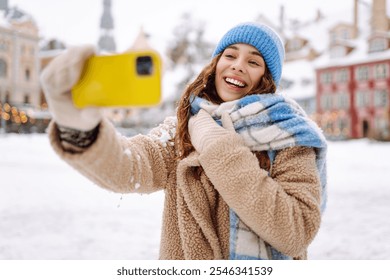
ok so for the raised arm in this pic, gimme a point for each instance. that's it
(137, 164)
(88, 142)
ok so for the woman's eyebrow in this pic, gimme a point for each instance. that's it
(232, 47)
(256, 53)
(250, 52)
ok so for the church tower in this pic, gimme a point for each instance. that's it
(3, 5)
(106, 40)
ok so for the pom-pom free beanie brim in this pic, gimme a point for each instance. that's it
(263, 38)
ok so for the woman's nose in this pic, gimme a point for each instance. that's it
(238, 66)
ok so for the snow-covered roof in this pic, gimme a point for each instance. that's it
(358, 56)
(3, 20)
(18, 15)
(15, 17)
(50, 53)
(316, 31)
(301, 74)
(360, 53)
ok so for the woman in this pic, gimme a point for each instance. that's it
(242, 167)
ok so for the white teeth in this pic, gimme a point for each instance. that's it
(235, 82)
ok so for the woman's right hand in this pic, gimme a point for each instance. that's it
(57, 80)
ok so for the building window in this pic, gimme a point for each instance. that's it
(381, 71)
(333, 36)
(26, 99)
(381, 127)
(294, 45)
(377, 45)
(285, 84)
(3, 46)
(342, 75)
(306, 82)
(23, 49)
(342, 101)
(340, 34)
(381, 98)
(326, 77)
(343, 127)
(345, 34)
(27, 74)
(326, 101)
(3, 68)
(362, 73)
(362, 99)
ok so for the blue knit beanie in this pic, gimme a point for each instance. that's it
(263, 38)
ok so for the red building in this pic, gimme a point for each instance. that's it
(353, 79)
(353, 101)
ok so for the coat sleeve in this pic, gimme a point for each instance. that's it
(283, 208)
(138, 164)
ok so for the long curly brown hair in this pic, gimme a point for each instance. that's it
(204, 87)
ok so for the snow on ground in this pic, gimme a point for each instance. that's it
(49, 211)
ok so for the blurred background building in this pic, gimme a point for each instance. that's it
(337, 68)
(20, 97)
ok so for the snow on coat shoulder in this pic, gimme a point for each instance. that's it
(165, 132)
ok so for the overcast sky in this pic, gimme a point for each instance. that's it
(77, 21)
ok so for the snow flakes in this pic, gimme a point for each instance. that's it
(136, 185)
(120, 200)
(166, 132)
(127, 152)
(165, 137)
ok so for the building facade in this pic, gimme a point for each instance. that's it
(19, 63)
(353, 100)
(19, 69)
(353, 97)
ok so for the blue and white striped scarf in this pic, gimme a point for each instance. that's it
(267, 122)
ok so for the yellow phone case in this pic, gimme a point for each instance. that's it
(128, 79)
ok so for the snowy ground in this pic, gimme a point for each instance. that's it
(49, 211)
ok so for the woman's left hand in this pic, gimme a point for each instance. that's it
(204, 130)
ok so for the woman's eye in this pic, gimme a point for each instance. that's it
(254, 63)
(229, 56)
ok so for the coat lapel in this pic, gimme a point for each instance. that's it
(196, 201)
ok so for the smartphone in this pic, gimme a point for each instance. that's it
(120, 80)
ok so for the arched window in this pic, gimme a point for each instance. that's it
(3, 68)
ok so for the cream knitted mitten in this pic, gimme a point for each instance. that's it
(57, 79)
(204, 130)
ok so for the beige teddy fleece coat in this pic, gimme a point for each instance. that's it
(282, 207)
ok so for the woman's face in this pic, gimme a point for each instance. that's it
(238, 71)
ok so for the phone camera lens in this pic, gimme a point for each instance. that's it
(144, 65)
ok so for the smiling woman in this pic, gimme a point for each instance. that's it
(242, 168)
